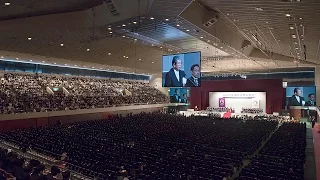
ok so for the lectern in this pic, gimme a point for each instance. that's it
(295, 112)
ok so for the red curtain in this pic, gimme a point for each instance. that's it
(199, 96)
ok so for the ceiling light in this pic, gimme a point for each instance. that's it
(301, 25)
(127, 57)
(54, 63)
(201, 37)
(7, 4)
(1, 56)
(291, 27)
(178, 25)
(134, 22)
(100, 68)
(30, 60)
(123, 36)
(84, 66)
(152, 18)
(167, 19)
(295, 43)
(297, 48)
(124, 56)
(288, 15)
(152, 62)
(259, 9)
(300, 18)
(92, 67)
(221, 47)
(123, 25)
(17, 58)
(29, 38)
(61, 44)
(267, 22)
(110, 32)
(43, 61)
(139, 59)
(75, 65)
(109, 28)
(188, 30)
(65, 64)
(293, 36)
(109, 54)
(88, 49)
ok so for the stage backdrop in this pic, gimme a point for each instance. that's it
(238, 100)
(275, 93)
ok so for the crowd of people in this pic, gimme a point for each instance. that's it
(252, 110)
(28, 93)
(282, 157)
(13, 166)
(156, 146)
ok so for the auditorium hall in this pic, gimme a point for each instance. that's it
(159, 90)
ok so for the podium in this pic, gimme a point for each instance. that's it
(295, 113)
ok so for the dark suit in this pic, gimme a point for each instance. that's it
(184, 101)
(191, 83)
(171, 79)
(175, 99)
(311, 112)
(293, 101)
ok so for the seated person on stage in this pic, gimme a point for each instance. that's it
(194, 80)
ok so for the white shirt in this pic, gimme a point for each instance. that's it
(177, 74)
(298, 98)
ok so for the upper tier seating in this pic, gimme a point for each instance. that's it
(27, 93)
(150, 146)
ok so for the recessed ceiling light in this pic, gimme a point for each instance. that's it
(178, 25)
(152, 18)
(267, 22)
(30, 60)
(61, 44)
(54, 63)
(300, 18)
(167, 19)
(288, 15)
(291, 27)
(43, 61)
(123, 25)
(124, 56)
(92, 67)
(17, 58)
(109, 54)
(293, 36)
(135, 39)
(127, 57)
(295, 43)
(100, 68)
(152, 62)
(139, 59)
(160, 47)
(65, 64)
(7, 4)
(29, 38)
(259, 9)
(134, 22)
(201, 37)
(188, 30)
(88, 49)
(110, 32)
(109, 28)
(84, 66)
(75, 65)
(123, 36)
(297, 48)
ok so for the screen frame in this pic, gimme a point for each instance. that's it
(200, 64)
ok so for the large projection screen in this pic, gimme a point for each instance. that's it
(238, 100)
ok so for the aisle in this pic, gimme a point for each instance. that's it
(316, 144)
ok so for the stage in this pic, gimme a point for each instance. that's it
(190, 112)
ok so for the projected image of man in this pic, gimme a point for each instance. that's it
(296, 99)
(194, 80)
(175, 77)
(175, 98)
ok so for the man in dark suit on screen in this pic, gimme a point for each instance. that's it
(175, 77)
(296, 99)
(194, 80)
(175, 98)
